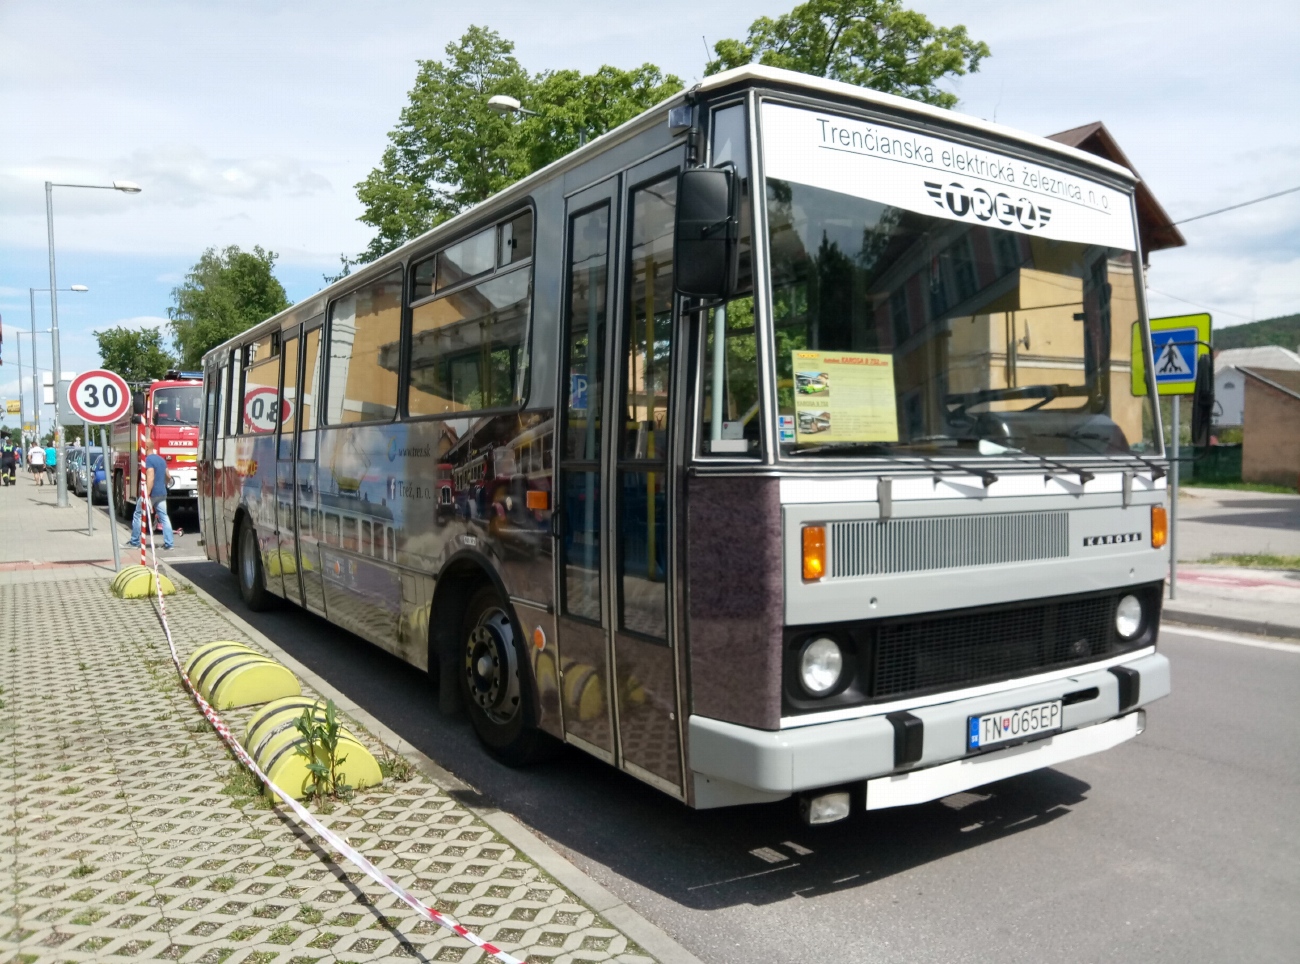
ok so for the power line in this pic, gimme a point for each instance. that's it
(1233, 207)
(1198, 304)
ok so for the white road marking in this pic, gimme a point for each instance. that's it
(797, 849)
(1238, 640)
(769, 855)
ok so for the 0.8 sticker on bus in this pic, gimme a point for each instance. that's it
(263, 410)
(99, 396)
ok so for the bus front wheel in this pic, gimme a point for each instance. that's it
(252, 577)
(493, 683)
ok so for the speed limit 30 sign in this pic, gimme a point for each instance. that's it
(99, 396)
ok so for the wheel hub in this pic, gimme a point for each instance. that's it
(490, 667)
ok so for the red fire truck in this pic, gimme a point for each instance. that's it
(169, 410)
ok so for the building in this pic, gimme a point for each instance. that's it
(1230, 383)
(1271, 444)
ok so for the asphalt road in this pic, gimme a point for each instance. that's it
(1179, 846)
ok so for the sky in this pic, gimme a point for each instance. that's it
(249, 123)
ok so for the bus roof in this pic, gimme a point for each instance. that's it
(750, 75)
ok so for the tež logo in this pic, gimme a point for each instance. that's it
(963, 202)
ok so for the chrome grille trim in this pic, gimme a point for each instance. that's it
(875, 548)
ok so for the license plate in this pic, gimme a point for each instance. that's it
(1013, 725)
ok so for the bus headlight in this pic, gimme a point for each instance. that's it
(821, 664)
(1128, 617)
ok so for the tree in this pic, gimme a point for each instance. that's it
(137, 354)
(227, 292)
(870, 43)
(450, 151)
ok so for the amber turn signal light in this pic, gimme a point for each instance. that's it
(538, 500)
(814, 552)
(1159, 526)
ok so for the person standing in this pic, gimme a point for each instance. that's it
(36, 463)
(51, 462)
(155, 482)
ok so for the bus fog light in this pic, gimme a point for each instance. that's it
(820, 665)
(1128, 617)
(824, 808)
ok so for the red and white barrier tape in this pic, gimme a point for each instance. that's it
(301, 812)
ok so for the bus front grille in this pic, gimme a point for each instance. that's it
(872, 548)
(927, 655)
(909, 656)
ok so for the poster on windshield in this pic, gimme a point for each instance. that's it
(942, 178)
(842, 396)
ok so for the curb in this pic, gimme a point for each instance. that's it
(650, 936)
(1254, 627)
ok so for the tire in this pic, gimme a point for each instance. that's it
(119, 498)
(495, 684)
(249, 572)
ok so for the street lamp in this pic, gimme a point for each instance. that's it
(505, 104)
(36, 390)
(126, 187)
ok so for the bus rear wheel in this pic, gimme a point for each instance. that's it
(492, 673)
(252, 577)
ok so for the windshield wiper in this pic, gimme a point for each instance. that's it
(1048, 393)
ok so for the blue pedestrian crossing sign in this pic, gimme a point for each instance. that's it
(1176, 344)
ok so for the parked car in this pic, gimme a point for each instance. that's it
(72, 459)
(98, 485)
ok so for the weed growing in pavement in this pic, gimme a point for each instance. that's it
(2, 693)
(243, 788)
(318, 744)
(83, 869)
(69, 791)
(222, 884)
(396, 767)
(82, 667)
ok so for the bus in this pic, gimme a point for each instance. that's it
(780, 444)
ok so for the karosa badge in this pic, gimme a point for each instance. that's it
(962, 202)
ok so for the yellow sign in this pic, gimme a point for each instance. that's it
(844, 396)
(1177, 344)
(13, 408)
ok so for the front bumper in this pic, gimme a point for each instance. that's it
(734, 764)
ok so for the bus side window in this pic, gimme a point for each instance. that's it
(367, 538)
(235, 392)
(364, 331)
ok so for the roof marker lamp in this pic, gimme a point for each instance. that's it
(814, 553)
(1159, 527)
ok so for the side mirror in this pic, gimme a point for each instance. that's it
(1203, 401)
(137, 403)
(137, 419)
(708, 216)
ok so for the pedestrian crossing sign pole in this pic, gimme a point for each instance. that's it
(1178, 343)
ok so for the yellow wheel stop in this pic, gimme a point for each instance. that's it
(137, 582)
(229, 674)
(272, 739)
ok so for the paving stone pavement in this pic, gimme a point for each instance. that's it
(128, 831)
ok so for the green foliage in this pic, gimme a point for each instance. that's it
(318, 743)
(870, 43)
(1257, 560)
(227, 292)
(1284, 331)
(137, 354)
(449, 151)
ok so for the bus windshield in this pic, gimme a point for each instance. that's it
(918, 314)
(182, 405)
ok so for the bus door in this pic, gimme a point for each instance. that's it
(305, 494)
(283, 561)
(581, 517)
(643, 491)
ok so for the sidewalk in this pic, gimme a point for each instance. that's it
(130, 832)
(1264, 602)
